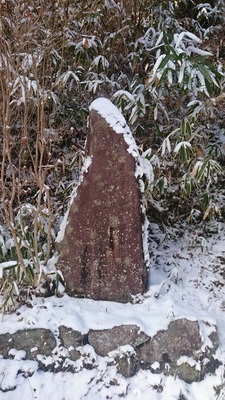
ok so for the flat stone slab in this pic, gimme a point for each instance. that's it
(106, 340)
(179, 350)
(182, 338)
(31, 342)
(71, 339)
(101, 247)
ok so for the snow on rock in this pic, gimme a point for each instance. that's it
(116, 120)
(61, 233)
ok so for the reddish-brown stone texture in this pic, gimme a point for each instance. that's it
(101, 254)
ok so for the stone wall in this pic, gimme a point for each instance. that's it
(178, 350)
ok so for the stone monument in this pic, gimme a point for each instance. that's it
(101, 240)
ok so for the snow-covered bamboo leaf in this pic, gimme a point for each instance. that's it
(7, 265)
(124, 94)
(166, 146)
(196, 50)
(159, 62)
(182, 144)
(181, 73)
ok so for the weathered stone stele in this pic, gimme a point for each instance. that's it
(101, 248)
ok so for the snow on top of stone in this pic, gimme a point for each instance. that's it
(111, 114)
(116, 121)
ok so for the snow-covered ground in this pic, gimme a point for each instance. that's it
(187, 279)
